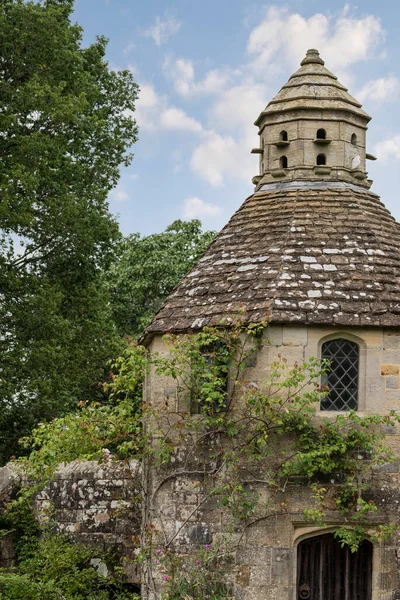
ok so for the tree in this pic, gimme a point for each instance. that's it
(148, 269)
(65, 128)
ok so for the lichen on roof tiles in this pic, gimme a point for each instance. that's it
(354, 279)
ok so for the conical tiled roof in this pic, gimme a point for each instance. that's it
(306, 250)
(328, 255)
(313, 86)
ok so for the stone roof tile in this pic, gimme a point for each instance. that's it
(325, 256)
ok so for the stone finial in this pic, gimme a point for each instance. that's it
(312, 56)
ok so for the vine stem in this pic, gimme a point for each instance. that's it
(196, 508)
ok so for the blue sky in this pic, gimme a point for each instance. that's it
(206, 70)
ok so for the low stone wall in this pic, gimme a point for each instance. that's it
(94, 503)
(9, 483)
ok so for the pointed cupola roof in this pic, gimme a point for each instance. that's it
(313, 86)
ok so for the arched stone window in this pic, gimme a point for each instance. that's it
(321, 159)
(283, 136)
(328, 571)
(321, 134)
(341, 379)
(354, 139)
(284, 162)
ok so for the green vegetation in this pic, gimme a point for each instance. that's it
(71, 287)
(65, 128)
(147, 270)
(197, 575)
(57, 569)
(252, 440)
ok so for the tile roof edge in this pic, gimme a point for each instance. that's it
(312, 185)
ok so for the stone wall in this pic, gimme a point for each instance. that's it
(96, 504)
(379, 380)
(9, 482)
(266, 560)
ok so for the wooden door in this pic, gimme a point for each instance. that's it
(326, 571)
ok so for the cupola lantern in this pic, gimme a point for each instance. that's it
(312, 130)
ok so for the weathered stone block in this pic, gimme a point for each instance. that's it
(388, 468)
(198, 534)
(391, 340)
(389, 369)
(280, 565)
(243, 575)
(295, 336)
(170, 392)
(392, 383)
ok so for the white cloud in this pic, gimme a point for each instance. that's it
(147, 106)
(195, 208)
(282, 37)
(239, 106)
(129, 47)
(219, 157)
(175, 118)
(120, 193)
(380, 90)
(181, 72)
(276, 44)
(388, 149)
(162, 30)
(154, 114)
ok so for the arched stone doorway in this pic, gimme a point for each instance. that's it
(326, 571)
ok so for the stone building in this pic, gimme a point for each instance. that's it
(318, 251)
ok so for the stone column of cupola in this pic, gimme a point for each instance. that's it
(312, 130)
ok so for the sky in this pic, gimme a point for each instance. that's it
(207, 69)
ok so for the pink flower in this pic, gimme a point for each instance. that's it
(165, 577)
(106, 454)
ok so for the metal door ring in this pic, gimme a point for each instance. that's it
(304, 591)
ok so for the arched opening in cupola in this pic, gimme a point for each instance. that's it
(321, 159)
(284, 162)
(283, 136)
(321, 134)
(354, 139)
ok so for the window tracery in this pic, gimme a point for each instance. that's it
(341, 379)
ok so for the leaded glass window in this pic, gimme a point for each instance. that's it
(341, 380)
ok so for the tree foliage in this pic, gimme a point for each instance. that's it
(148, 268)
(58, 569)
(65, 127)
